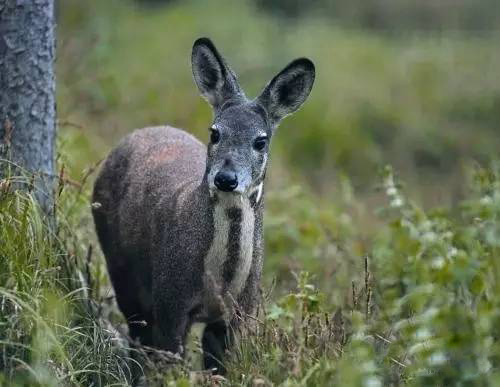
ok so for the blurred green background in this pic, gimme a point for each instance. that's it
(411, 84)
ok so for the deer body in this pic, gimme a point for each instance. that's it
(180, 224)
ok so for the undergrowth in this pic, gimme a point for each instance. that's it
(425, 310)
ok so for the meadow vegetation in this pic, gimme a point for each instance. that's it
(374, 275)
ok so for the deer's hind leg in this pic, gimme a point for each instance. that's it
(130, 276)
(132, 285)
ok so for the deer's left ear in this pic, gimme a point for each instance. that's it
(288, 90)
(214, 78)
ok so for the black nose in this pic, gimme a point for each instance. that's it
(226, 181)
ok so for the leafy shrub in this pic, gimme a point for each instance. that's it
(438, 286)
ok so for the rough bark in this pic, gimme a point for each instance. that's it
(27, 94)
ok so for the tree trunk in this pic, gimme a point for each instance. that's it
(27, 94)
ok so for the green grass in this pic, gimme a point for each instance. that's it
(48, 334)
(422, 310)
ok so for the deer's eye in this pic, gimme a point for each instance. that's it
(214, 136)
(260, 143)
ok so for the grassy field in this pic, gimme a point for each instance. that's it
(374, 275)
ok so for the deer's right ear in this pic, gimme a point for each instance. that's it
(288, 90)
(215, 80)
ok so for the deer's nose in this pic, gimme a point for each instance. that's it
(226, 181)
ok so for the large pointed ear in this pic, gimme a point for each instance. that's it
(216, 81)
(288, 90)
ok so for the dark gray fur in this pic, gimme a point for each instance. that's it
(175, 246)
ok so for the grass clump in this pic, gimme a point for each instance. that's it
(50, 334)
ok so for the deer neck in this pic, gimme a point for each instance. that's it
(229, 258)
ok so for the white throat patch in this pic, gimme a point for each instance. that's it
(218, 254)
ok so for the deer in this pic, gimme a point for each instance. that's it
(180, 223)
